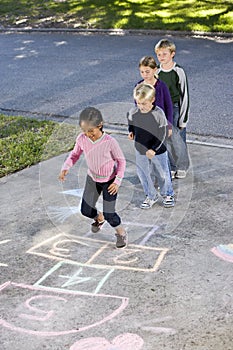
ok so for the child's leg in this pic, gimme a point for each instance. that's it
(172, 146)
(90, 196)
(177, 147)
(144, 174)
(162, 171)
(109, 203)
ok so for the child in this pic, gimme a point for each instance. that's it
(106, 166)
(175, 78)
(148, 69)
(147, 127)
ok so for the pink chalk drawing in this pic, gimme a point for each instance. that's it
(47, 314)
(224, 252)
(126, 341)
(43, 312)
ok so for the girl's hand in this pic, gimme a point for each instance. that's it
(62, 175)
(169, 134)
(113, 188)
(131, 136)
(150, 153)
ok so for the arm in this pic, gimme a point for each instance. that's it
(71, 160)
(119, 158)
(168, 109)
(184, 98)
(164, 101)
(130, 126)
(161, 131)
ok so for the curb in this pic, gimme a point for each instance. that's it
(118, 32)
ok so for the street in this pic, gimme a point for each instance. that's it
(61, 73)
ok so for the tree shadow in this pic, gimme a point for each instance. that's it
(126, 14)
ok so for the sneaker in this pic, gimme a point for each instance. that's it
(173, 174)
(148, 203)
(96, 226)
(122, 240)
(180, 174)
(168, 202)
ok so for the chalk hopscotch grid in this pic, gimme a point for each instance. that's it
(102, 275)
(102, 247)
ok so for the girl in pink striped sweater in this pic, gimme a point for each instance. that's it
(106, 166)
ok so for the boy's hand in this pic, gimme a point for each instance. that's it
(62, 175)
(150, 153)
(113, 188)
(130, 136)
(169, 134)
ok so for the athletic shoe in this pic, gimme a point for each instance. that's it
(180, 174)
(173, 174)
(96, 225)
(122, 240)
(148, 203)
(168, 202)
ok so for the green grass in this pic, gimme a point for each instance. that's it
(188, 15)
(24, 142)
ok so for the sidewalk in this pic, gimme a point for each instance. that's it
(71, 289)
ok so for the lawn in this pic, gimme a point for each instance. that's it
(185, 15)
(25, 141)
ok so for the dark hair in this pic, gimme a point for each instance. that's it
(148, 61)
(91, 116)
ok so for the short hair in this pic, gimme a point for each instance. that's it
(165, 44)
(148, 61)
(92, 116)
(144, 92)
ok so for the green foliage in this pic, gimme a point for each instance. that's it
(190, 15)
(24, 142)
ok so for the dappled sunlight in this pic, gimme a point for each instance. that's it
(133, 14)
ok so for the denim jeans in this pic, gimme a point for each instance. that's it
(161, 169)
(157, 166)
(91, 194)
(176, 144)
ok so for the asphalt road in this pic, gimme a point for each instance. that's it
(61, 73)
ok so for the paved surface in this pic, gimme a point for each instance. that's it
(66, 288)
(69, 287)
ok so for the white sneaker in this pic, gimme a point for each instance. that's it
(168, 202)
(148, 203)
(173, 174)
(180, 174)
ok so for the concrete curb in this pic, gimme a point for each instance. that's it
(122, 32)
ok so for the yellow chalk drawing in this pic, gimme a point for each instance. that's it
(100, 254)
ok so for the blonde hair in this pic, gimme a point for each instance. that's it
(144, 92)
(165, 44)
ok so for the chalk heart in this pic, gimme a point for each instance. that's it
(126, 341)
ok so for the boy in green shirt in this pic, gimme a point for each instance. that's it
(175, 78)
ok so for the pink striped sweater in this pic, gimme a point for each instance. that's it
(104, 157)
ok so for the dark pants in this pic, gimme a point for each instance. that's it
(91, 194)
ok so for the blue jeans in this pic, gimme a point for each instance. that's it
(91, 194)
(176, 144)
(157, 166)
